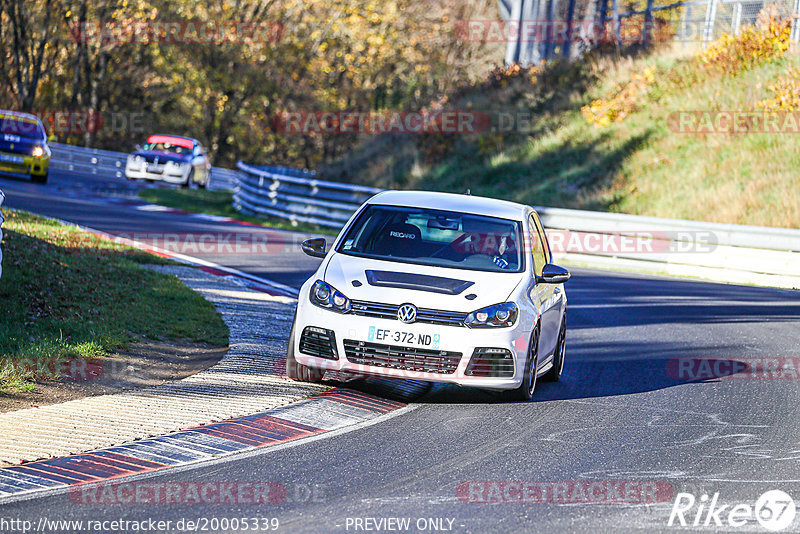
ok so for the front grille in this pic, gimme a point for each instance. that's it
(318, 342)
(405, 358)
(424, 315)
(497, 363)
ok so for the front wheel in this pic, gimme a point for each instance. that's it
(296, 370)
(554, 374)
(39, 178)
(525, 390)
(189, 180)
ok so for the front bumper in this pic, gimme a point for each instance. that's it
(139, 173)
(23, 165)
(349, 328)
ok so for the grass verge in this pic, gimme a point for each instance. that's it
(220, 203)
(68, 294)
(641, 164)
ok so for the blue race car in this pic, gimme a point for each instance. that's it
(23, 146)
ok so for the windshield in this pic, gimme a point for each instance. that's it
(433, 237)
(21, 127)
(167, 147)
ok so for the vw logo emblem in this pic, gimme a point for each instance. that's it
(407, 313)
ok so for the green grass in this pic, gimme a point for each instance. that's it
(638, 166)
(220, 203)
(68, 294)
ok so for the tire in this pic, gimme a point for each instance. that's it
(554, 374)
(525, 390)
(39, 179)
(296, 370)
(188, 183)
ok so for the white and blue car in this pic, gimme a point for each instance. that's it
(172, 159)
(436, 287)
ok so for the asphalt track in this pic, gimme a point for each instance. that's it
(625, 412)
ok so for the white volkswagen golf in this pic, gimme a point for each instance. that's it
(437, 287)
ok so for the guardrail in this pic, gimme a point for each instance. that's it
(295, 195)
(108, 163)
(723, 252)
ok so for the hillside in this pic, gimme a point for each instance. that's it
(653, 137)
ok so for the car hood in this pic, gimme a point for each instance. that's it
(163, 156)
(424, 286)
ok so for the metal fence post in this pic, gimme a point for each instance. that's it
(711, 15)
(570, 16)
(647, 29)
(795, 35)
(615, 18)
(603, 11)
(736, 18)
(550, 44)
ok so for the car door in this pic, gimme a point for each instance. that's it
(545, 294)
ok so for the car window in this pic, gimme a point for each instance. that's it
(543, 237)
(21, 127)
(537, 247)
(166, 147)
(435, 237)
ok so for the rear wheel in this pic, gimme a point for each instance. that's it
(296, 370)
(525, 390)
(554, 374)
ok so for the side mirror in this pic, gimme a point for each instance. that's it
(137, 147)
(553, 274)
(314, 247)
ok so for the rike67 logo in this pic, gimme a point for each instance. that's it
(774, 510)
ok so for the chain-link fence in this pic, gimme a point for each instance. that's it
(706, 20)
(544, 29)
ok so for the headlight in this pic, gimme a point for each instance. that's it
(326, 296)
(497, 315)
(37, 152)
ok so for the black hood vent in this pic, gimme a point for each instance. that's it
(418, 282)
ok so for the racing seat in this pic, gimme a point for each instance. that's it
(399, 239)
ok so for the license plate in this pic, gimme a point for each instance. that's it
(402, 337)
(11, 159)
(155, 169)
